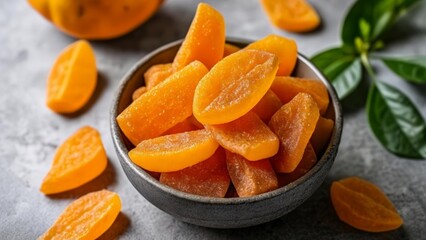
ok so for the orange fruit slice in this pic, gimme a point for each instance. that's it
(321, 136)
(364, 206)
(174, 152)
(78, 160)
(72, 79)
(230, 49)
(87, 217)
(138, 92)
(267, 106)
(157, 74)
(234, 86)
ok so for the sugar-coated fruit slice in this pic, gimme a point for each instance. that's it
(267, 106)
(294, 124)
(174, 152)
(87, 217)
(308, 161)
(286, 88)
(138, 92)
(247, 136)
(184, 126)
(205, 39)
(321, 136)
(208, 178)
(250, 177)
(230, 49)
(78, 160)
(284, 48)
(234, 86)
(364, 206)
(157, 74)
(72, 79)
(162, 107)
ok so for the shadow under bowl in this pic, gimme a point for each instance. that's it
(221, 212)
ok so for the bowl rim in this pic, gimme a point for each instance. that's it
(121, 149)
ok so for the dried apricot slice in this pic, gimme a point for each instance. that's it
(322, 133)
(87, 217)
(157, 74)
(308, 161)
(267, 106)
(250, 177)
(138, 92)
(284, 48)
(248, 136)
(184, 126)
(208, 178)
(205, 39)
(72, 79)
(174, 152)
(78, 160)
(162, 107)
(364, 206)
(234, 86)
(230, 49)
(292, 15)
(294, 124)
(288, 87)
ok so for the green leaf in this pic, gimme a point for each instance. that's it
(365, 29)
(342, 69)
(411, 69)
(396, 122)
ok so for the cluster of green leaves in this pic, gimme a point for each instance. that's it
(393, 118)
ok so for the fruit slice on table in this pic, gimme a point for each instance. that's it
(267, 106)
(157, 74)
(72, 79)
(162, 107)
(230, 49)
(285, 49)
(184, 126)
(364, 206)
(78, 160)
(87, 217)
(208, 178)
(250, 177)
(294, 124)
(322, 134)
(205, 39)
(308, 161)
(288, 87)
(138, 92)
(248, 136)
(292, 15)
(234, 86)
(174, 152)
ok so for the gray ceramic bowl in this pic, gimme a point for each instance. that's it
(221, 212)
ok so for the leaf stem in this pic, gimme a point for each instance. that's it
(367, 65)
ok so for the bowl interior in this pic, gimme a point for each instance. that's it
(134, 79)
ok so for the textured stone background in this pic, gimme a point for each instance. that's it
(30, 132)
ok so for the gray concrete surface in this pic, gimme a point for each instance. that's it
(30, 132)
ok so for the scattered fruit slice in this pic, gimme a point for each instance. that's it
(285, 49)
(322, 134)
(184, 126)
(208, 178)
(287, 88)
(308, 161)
(294, 124)
(78, 160)
(138, 92)
(230, 49)
(248, 136)
(174, 152)
(205, 39)
(250, 177)
(72, 79)
(87, 217)
(157, 74)
(267, 106)
(234, 86)
(163, 106)
(364, 206)
(292, 15)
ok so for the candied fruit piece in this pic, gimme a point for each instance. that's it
(294, 124)
(208, 178)
(230, 49)
(267, 106)
(184, 126)
(248, 136)
(234, 86)
(138, 92)
(157, 74)
(250, 177)
(322, 133)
